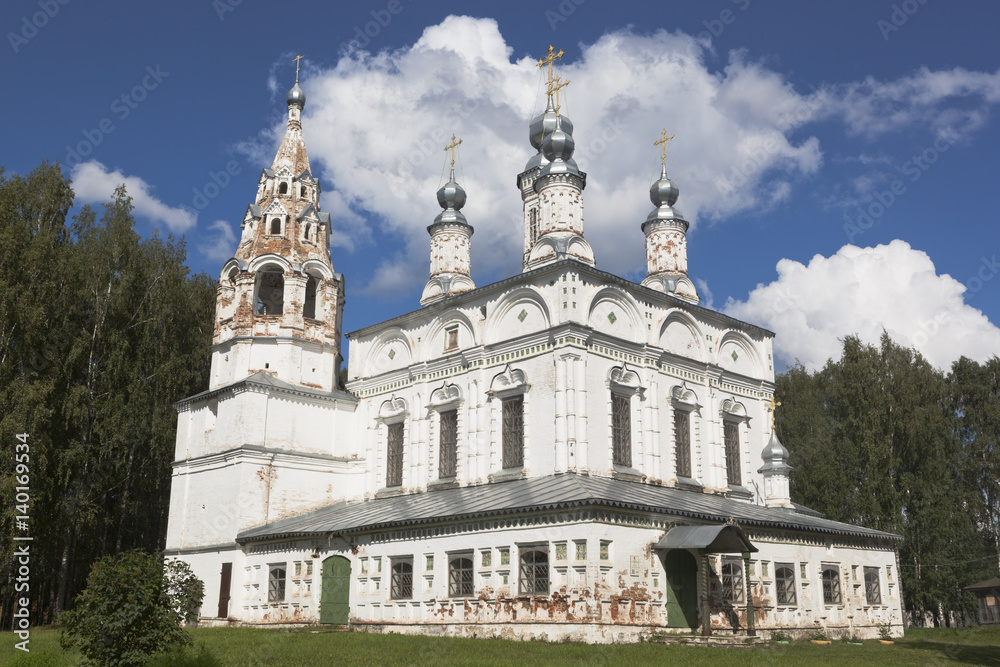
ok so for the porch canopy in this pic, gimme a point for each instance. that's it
(722, 539)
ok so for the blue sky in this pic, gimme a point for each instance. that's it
(837, 160)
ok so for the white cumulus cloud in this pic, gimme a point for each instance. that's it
(93, 183)
(376, 125)
(864, 291)
(220, 243)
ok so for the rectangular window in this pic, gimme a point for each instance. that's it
(621, 430)
(513, 432)
(276, 583)
(448, 421)
(682, 435)
(533, 576)
(394, 458)
(581, 550)
(732, 580)
(873, 591)
(487, 558)
(784, 578)
(731, 432)
(831, 584)
(605, 549)
(461, 577)
(401, 587)
(451, 338)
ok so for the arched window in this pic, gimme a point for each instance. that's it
(302, 192)
(309, 306)
(270, 292)
(275, 226)
(283, 188)
(308, 230)
(831, 585)
(461, 576)
(401, 586)
(533, 573)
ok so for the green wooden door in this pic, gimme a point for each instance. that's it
(682, 589)
(335, 594)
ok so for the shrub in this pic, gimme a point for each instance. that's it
(132, 608)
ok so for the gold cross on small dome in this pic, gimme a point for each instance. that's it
(662, 143)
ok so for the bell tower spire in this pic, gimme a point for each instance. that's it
(552, 184)
(666, 236)
(280, 303)
(451, 238)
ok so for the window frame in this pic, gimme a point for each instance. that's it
(621, 429)
(877, 583)
(448, 449)
(462, 578)
(451, 338)
(511, 438)
(530, 581)
(733, 588)
(682, 415)
(277, 588)
(395, 452)
(734, 460)
(785, 586)
(832, 590)
(399, 587)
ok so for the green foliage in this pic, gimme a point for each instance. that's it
(101, 331)
(882, 439)
(132, 608)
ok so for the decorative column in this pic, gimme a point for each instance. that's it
(706, 611)
(751, 629)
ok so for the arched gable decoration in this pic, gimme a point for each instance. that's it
(445, 395)
(683, 395)
(393, 410)
(733, 409)
(625, 380)
(510, 381)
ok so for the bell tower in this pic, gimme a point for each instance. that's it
(279, 303)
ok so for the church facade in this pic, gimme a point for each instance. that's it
(563, 454)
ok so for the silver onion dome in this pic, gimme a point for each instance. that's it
(544, 123)
(451, 197)
(558, 147)
(775, 455)
(296, 96)
(663, 193)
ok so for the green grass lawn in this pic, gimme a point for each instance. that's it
(249, 646)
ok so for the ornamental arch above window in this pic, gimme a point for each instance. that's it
(509, 388)
(625, 388)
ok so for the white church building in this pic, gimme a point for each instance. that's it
(563, 454)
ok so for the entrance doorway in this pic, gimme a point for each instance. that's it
(335, 594)
(682, 589)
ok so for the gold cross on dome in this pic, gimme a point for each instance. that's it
(296, 59)
(554, 88)
(772, 407)
(550, 57)
(662, 143)
(451, 147)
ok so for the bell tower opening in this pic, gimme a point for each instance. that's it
(309, 305)
(270, 298)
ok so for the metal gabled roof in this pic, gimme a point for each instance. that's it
(555, 492)
(269, 382)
